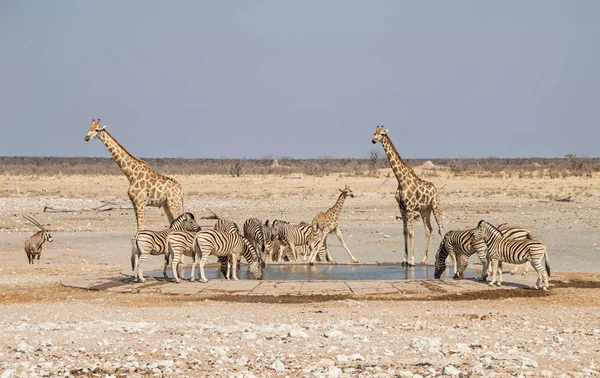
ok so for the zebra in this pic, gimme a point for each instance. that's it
(290, 236)
(146, 243)
(180, 243)
(500, 248)
(225, 262)
(255, 231)
(33, 245)
(225, 244)
(460, 245)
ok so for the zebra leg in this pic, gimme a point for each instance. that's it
(174, 263)
(542, 280)
(201, 269)
(167, 258)
(194, 262)
(338, 233)
(494, 264)
(316, 249)
(234, 264)
(140, 266)
(294, 253)
(499, 282)
(426, 215)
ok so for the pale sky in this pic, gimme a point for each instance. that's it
(301, 78)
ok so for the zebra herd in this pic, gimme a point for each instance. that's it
(225, 241)
(493, 245)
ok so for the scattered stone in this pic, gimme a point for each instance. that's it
(278, 366)
(450, 370)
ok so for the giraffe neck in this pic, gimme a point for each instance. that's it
(336, 209)
(127, 162)
(404, 174)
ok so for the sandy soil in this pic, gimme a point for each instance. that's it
(54, 330)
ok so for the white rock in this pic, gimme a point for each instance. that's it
(334, 334)
(342, 358)
(166, 363)
(420, 344)
(450, 370)
(326, 362)
(388, 352)
(357, 357)
(528, 362)
(278, 366)
(545, 373)
(248, 336)
(333, 372)
(404, 374)
(9, 373)
(462, 348)
(298, 332)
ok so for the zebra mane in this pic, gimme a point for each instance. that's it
(490, 226)
(181, 218)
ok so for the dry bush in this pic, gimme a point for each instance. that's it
(571, 165)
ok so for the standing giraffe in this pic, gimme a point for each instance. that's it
(327, 222)
(146, 187)
(413, 195)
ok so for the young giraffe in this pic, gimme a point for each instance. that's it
(413, 195)
(146, 187)
(327, 223)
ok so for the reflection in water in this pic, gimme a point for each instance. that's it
(331, 272)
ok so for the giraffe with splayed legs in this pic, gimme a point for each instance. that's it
(146, 187)
(328, 222)
(413, 195)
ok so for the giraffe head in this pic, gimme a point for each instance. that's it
(379, 133)
(94, 130)
(347, 192)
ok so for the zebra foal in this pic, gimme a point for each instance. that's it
(500, 248)
(225, 244)
(291, 236)
(147, 242)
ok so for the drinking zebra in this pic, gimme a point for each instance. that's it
(225, 262)
(460, 245)
(146, 243)
(500, 248)
(256, 233)
(225, 244)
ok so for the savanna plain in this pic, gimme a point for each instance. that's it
(51, 330)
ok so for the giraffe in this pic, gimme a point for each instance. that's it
(146, 187)
(413, 195)
(327, 222)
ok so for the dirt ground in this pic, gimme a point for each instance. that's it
(58, 331)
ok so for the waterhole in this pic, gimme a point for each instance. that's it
(306, 272)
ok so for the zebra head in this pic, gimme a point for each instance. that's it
(185, 222)
(379, 133)
(94, 131)
(484, 231)
(440, 261)
(347, 192)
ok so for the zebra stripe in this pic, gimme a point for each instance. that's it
(254, 231)
(290, 236)
(181, 243)
(226, 226)
(146, 243)
(221, 244)
(460, 245)
(512, 251)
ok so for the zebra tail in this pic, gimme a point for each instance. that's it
(547, 264)
(134, 249)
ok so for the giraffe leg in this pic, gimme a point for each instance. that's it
(405, 232)
(426, 215)
(437, 214)
(139, 206)
(411, 238)
(338, 233)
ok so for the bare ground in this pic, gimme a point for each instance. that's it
(52, 330)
